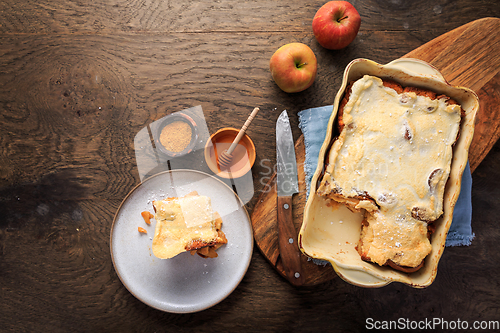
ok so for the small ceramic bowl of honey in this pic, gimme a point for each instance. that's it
(243, 156)
(176, 135)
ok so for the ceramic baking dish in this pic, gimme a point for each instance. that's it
(332, 233)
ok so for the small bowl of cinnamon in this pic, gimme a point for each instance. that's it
(176, 135)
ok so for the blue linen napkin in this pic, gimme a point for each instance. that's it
(313, 123)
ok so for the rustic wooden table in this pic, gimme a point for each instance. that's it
(79, 80)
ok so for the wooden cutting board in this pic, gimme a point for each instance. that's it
(468, 56)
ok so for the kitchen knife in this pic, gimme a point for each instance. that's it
(287, 184)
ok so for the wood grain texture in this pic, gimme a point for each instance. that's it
(487, 130)
(290, 254)
(80, 78)
(470, 59)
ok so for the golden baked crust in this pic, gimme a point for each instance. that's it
(391, 159)
(209, 251)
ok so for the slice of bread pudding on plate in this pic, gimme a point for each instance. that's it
(187, 224)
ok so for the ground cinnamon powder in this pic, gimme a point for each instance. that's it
(175, 137)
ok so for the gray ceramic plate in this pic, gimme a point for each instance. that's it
(184, 283)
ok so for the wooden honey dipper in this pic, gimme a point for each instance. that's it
(226, 157)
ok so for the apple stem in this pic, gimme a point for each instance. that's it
(299, 65)
(342, 18)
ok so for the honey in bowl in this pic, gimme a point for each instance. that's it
(243, 155)
(240, 155)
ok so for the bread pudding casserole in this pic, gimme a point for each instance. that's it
(391, 160)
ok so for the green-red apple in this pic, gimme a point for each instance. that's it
(293, 67)
(336, 24)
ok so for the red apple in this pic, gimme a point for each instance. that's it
(336, 24)
(293, 67)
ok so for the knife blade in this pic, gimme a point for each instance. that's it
(287, 184)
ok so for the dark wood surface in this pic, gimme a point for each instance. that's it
(79, 79)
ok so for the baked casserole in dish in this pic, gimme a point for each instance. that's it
(389, 173)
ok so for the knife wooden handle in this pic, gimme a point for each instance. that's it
(288, 246)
